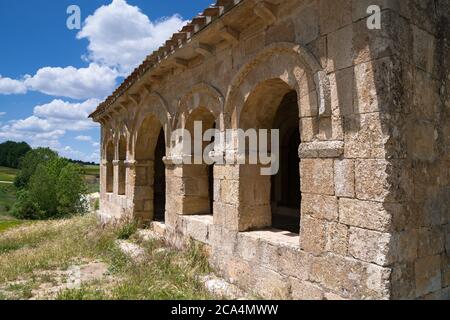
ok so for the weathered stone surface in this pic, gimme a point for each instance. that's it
(316, 176)
(370, 246)
(320, 207)
(431, 241)
(344, 178)
(428, 275)
(321, 149)
(364, 214)
(340, 49)
(271, 284)
(350, 277)
(313, 235)
(371, 107)
(304, 290)
(337, 238)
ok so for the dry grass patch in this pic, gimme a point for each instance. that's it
(36, 262)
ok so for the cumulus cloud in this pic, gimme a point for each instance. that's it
(2, 114)
(11, 86)
(92, 82)
(64, 110)
(121, 36)
(50, 122)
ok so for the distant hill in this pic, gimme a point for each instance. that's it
(83, 163)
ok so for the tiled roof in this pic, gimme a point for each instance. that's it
(197, 24)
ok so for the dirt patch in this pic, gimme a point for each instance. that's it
(45, 285)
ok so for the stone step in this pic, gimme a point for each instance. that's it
(220, 287)
(133, 251)
(158, 228)
(147, 235)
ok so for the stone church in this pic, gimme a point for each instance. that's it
(360, 206)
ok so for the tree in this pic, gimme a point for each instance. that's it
(11, 152)
(43, 185)
(30, 162)
(55, 189)
(70, 190)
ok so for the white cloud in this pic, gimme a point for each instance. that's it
(84, 138)
(63, 110)
(50, 122)
(121, 36)
(92, 82)
(31, 124)
(2, 114)
(11, 86)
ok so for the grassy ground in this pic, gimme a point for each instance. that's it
(35, 256)
(92, 176)
(7, 198)
(7, 174)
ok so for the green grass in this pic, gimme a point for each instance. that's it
(7, 198)
(29, 250)
(92, 178)
(8, 224)
(91, 170)
(7, 174)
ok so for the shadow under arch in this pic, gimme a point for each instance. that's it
(149, 176)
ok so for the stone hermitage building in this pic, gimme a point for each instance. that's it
(360, 208)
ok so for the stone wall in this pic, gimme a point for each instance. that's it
(374, 154)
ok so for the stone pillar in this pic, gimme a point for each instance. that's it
(115, 166)
(122, 178)
(141, 178)
(187, 188)
(241, 197)
(108, 177)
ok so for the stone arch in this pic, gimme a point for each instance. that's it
(152, 103)
(148, 166)
(201, 95)
(292, 64)
(282, 76)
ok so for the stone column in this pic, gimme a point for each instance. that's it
(122, 178)
(141, 178)
(241, 197)
(187, 188)
(116, 174)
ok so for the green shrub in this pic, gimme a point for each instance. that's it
(25, 208)
(70, 191)
(56, 189)
(29, 164)
(126, 230)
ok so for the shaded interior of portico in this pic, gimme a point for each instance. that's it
(150, 184)
(198, 176)
(276, 199)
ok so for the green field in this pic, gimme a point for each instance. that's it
(7, 174)
(92, 178)
(91, 170)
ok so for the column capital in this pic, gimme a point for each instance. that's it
(118, 162)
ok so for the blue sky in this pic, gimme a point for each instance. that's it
(52, 77)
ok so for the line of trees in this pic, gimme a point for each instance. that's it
(11, 152)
